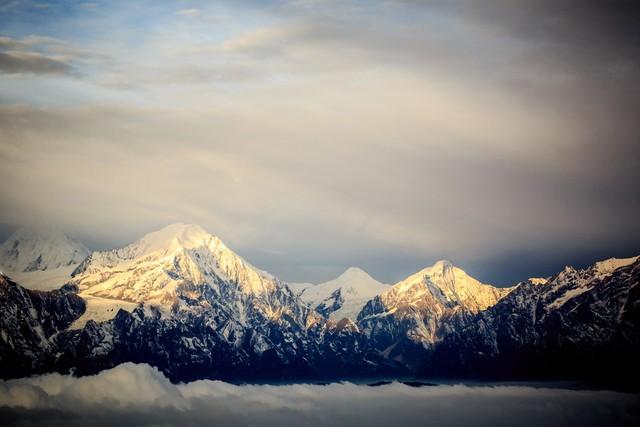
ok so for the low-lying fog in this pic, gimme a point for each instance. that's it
(133, 394)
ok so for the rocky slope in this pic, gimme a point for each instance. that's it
(29, 325)
(203, 312)
(578, 324)
(214, 308)
(180, 300)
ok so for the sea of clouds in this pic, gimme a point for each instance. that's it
(132, 394)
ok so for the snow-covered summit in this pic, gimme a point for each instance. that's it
(174, 236)
(353, 273)
(158, 243)
(29, 250)
(423, 307)
(344, 296)
(162, 264)
(353, 279)
(448, 284)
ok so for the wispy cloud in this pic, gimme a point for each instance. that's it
(17, 57)
(44, 55)
(7, 43)
(12, 62)
(188, 12)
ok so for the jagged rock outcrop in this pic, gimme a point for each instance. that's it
(29, 325)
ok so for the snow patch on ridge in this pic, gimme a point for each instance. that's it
(43, 280)
(100, 310)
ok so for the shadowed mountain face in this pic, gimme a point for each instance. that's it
(180, 300)
(30, 324)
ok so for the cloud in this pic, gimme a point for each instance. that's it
(140, 395)
(311, 136)
(43, 55)
(323, 187)
(12, 62)
(188, 12)
(7, 43)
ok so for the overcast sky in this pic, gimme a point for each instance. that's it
(315, 135)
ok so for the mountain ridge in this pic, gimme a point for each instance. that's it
(184, 302)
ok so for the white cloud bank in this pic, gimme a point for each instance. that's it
(140, 395)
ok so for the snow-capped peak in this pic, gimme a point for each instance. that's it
(155, 268)
(439, 269)
(354, 274)
(441, 265)
(426, 301)
(447, 284)
(344, 296)
(42, 249)
(187, 236)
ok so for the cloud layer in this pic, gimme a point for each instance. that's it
(311, 136)
(140, 395)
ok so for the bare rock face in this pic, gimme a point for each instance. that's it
(29, 325)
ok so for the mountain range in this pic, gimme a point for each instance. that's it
(181, 300)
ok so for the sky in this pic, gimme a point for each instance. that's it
(311, 136)
(132, 394)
